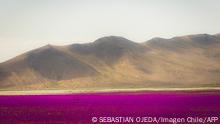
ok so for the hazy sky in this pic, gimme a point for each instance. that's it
(28, 24)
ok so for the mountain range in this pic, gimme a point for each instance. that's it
(116, 62)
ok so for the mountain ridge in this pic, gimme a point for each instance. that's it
(116, 62)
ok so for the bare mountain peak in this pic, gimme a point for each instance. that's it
(197, 38)
(156, 39)
(112, 39)
(44, 49)
(204, 39)
(200, 36)
(50, 46)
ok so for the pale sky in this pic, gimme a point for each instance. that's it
(29, 24)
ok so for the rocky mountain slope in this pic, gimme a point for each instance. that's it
(116, 62)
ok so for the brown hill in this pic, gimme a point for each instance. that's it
(116, 62)
(108, 49)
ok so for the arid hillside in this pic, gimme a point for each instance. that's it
(116, 62)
